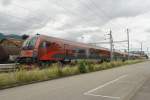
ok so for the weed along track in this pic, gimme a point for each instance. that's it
(23, 76)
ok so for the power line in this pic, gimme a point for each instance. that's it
(74, 13)
(93, 11)
(123, 41)
(104, 13)
(97, 14)
(67, 10)
(64, 8)
(19, 18)
(71, 12)
(30, 10)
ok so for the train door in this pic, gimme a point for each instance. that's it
(43, 51)
(66, 49)
(67, 52)
(87, 53)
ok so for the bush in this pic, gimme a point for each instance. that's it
(70, 71)
(7, 80)
(58, 68)
(105, 65)
(97, 67)
(54, 71)
(29, 76)
(116, 63)
(82, 67)
(91, 67)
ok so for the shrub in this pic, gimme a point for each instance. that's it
(70, 71)
(29, 76)
(91, 67)
(7, 79)
(116, 63)
(106, 65)
(113, 64)
(82, 67)
(97, 67)
(119, 63)
(54, 71)
(57, 68)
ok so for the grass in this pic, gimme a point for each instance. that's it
(23, 76)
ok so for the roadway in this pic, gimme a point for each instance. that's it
(144, 92)
(114, 84)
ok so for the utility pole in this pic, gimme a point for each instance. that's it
(147, 52)
(82, 38)
(141, 47)
(111, 42)
(111, 45)
(128, 39)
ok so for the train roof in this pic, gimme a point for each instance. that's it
(73, 42)
(81, 44)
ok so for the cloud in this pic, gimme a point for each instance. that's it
(6, 2)
(78, 20)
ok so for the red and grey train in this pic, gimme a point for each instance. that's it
(42, 48)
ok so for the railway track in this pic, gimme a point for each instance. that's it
(8, 67)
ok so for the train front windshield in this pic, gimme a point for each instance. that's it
(29, 44)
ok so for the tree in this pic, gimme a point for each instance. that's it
(25, 36)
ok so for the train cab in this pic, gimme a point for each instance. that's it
(29, 50)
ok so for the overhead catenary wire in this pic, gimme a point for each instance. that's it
(33, 11)
(105, 14)
(89, 8)
(55, 2)
(18, 18)
(97, 13)
(84, 17)
(65, 9)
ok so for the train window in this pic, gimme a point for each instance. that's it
(73, 51)
(43, 45)
(29, 43)
(94, 51)
(81, 51)
(48, 44)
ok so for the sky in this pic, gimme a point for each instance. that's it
(85, 21)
